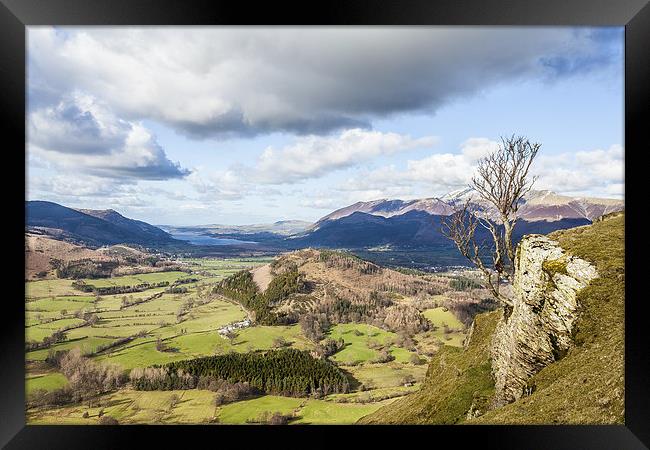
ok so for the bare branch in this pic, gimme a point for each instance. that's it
(501, 181)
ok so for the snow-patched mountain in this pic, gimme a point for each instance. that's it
(389, 208)
(547, 205)
(536, 205)
(459, 196)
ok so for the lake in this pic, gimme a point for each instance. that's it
(197, 238)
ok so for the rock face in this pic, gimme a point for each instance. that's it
(538, 329)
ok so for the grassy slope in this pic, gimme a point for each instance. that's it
(455, 377)
(586, 386)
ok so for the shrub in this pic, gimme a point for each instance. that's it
(384, 356)
(57, 397)
(268, 418)
(87, 378)
(278, 419)
(108, 420)
(280, 342)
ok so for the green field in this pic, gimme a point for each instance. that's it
(194, 333)
(222, 268)
(68, 303)
(441, 317)
(358, 338)
(373, 395)
(331, 413)
(240, 412)
(262, 337)
(48, 382)
(50, 288)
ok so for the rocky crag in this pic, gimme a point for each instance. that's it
(538, 329)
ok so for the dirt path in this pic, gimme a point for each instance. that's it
(262, 276)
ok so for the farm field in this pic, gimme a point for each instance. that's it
(197, 406)
(131, 280)
(387, 375)
(441, 317)
(53, 305)
(47, 382)
(151, 327)
(358, 339)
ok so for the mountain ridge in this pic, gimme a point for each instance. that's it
(536, 205)
(90, 227)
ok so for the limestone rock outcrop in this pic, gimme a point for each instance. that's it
(537, 330)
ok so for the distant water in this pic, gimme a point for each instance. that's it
(201, 239)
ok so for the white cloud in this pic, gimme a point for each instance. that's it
(308, 157)
(433, 175)
(82, 134)
(314, 156)
(474, 149)
(595, 173)
(605, 164)
(321, 200)
(78, 186)
(216, 185)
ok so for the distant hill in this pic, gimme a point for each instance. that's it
(412, 229)
(91, 227)
(549, 206)
(416, 223)
(364, 229)
(137, 227)
(43, 255)
(536, 205)
(280, 228)
(390, 208)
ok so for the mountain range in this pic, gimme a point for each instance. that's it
(416, 223)
(391, 224)
(535, 206)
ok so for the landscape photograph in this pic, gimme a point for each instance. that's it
(324, 225)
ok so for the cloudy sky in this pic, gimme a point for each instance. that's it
(247, 125)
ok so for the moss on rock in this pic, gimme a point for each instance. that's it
(553, 266)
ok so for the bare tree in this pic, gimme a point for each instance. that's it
(501, 181)
(231, 335)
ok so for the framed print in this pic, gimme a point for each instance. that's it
(358, 220)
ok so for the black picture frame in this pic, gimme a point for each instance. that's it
(15, 15)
